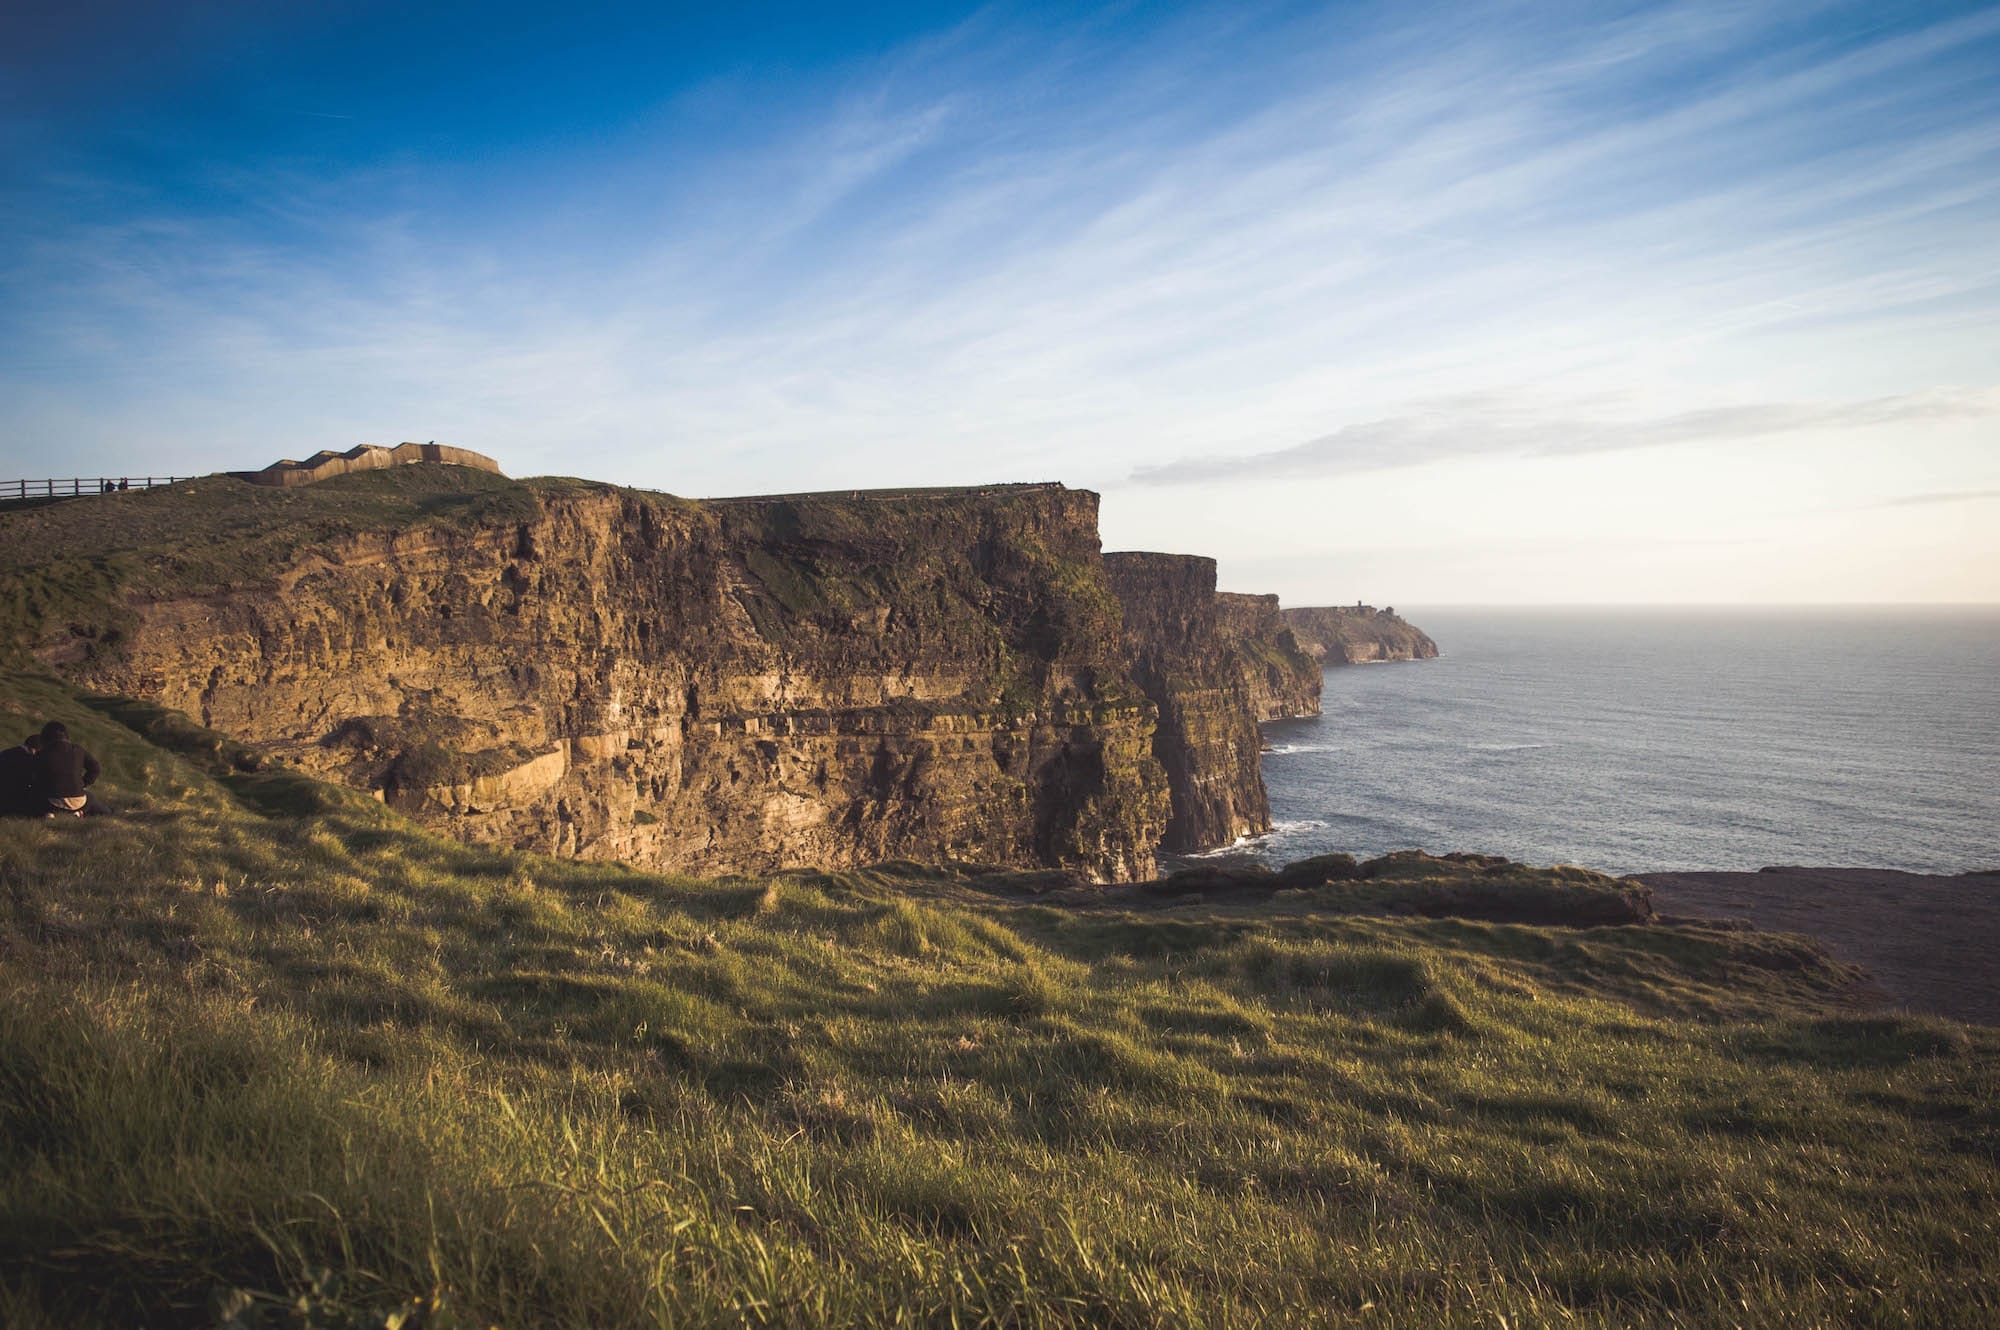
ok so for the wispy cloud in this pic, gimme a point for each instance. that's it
(1497, 425)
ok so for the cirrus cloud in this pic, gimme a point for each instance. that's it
(1494, 425)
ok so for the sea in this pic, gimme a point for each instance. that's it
(1635, 740)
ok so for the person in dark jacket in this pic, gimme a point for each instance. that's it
(66, 770)
(21, 780)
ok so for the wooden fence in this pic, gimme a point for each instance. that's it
(75, 486)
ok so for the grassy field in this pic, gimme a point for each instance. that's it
(270, 1056)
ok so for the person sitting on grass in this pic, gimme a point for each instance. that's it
(21, 780)
(67, 771)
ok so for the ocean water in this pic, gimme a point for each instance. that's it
(1657, 740)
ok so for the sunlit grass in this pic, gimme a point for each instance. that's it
(269, 1055)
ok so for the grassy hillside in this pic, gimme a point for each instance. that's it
(269, 1056)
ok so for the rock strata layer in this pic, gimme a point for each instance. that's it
(1199, 678)
(1358, 634)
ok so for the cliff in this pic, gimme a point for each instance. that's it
(580, 669)
(1207, 739)
(1281, 677)
(1356, 635)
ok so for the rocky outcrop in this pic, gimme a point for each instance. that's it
(1207, 740)
(1281, 677)
(702, 687)
(1356, 635)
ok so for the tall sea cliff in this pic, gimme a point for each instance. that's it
(1207, 739)
(1280, 673)
(712, 686)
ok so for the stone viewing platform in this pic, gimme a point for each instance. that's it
(326, 464)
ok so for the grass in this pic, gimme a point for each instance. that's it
(271, 1056)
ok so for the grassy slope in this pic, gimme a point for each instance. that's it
(268, 1055)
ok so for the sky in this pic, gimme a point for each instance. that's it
(1414, 303)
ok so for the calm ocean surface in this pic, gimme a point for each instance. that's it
(1637, 740)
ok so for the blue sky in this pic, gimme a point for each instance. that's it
(1449, 303)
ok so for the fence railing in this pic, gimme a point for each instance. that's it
(76, 486)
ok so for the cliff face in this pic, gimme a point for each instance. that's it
(1207, 738)
(1356, 635)
(1280, 676)
(700, 687)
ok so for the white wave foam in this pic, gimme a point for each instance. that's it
(1258, 844)
(1285, 750)
(1237, 846)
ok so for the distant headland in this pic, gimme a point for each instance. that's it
(1359, 635)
